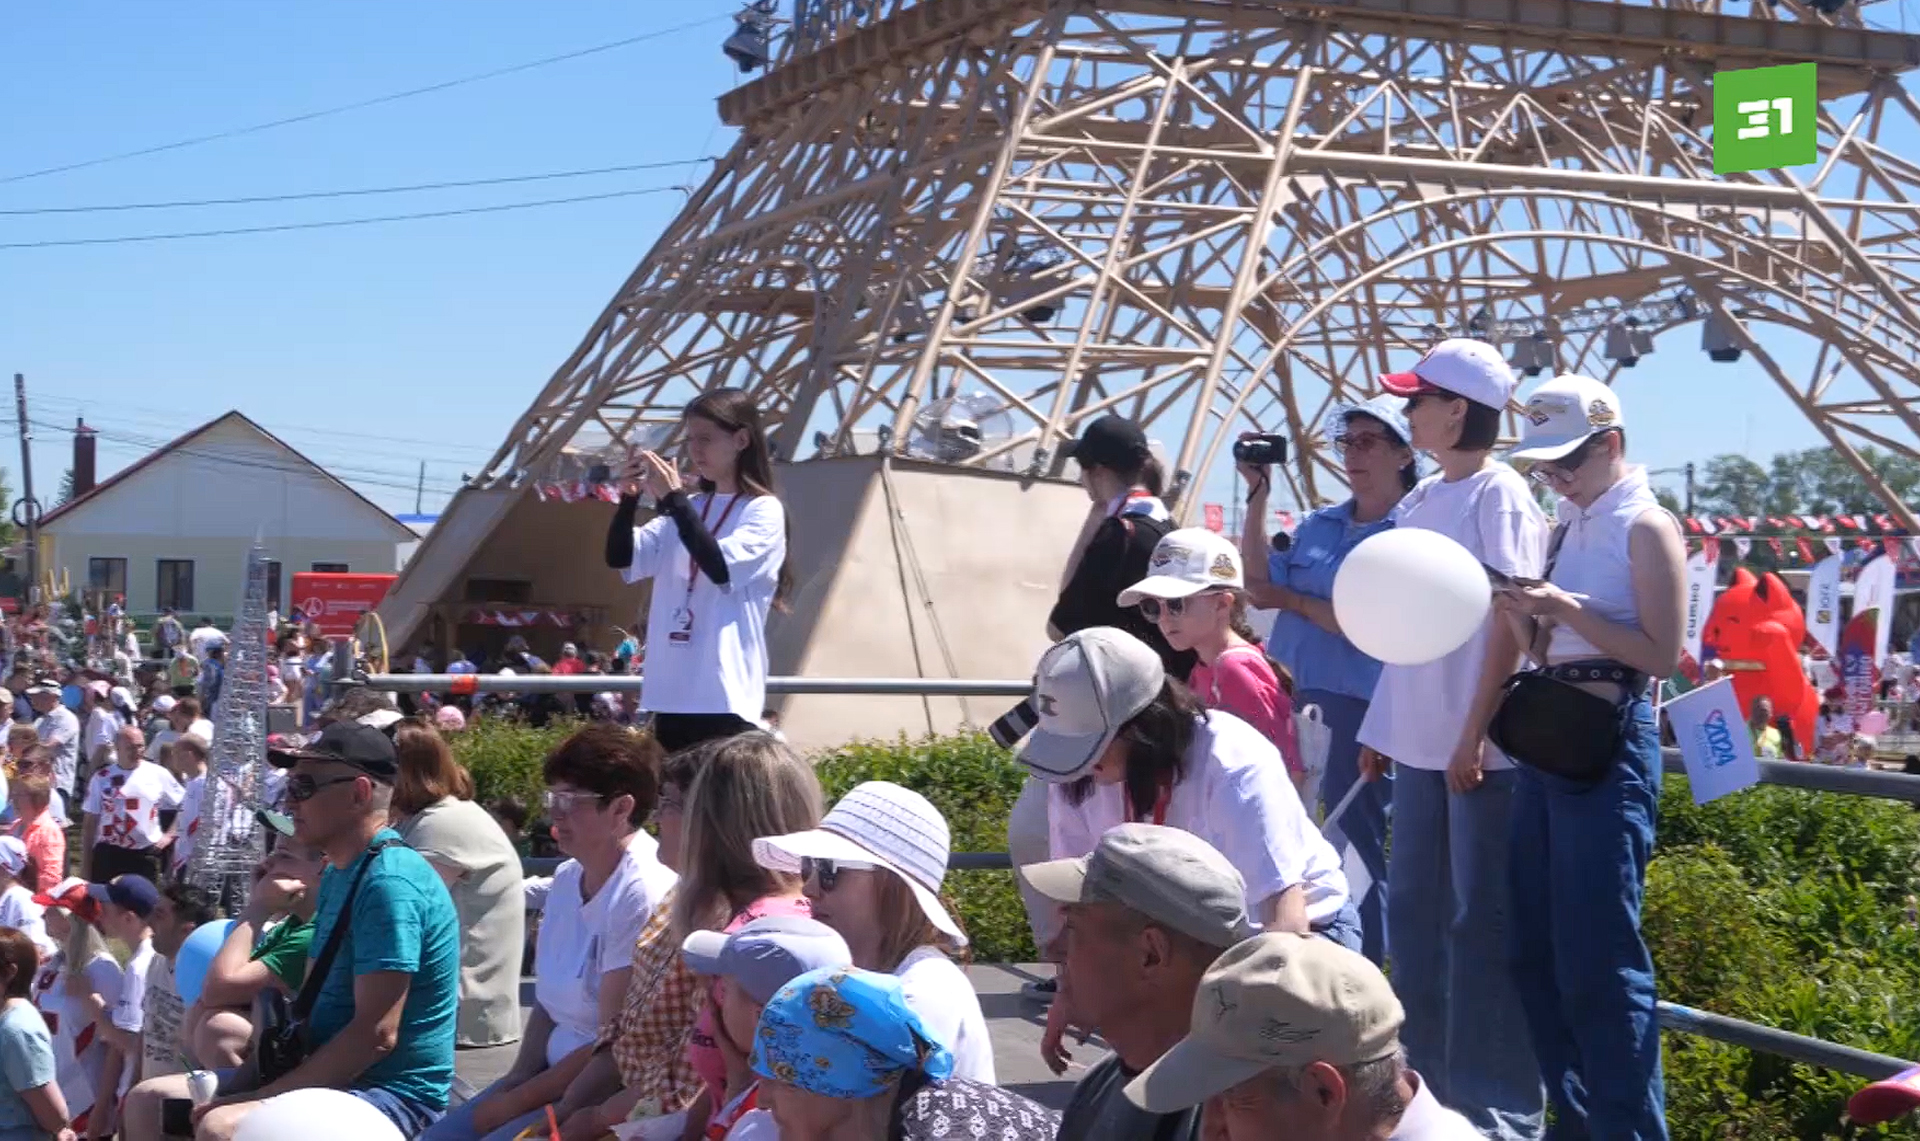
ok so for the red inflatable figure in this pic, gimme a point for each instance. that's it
(1757, 629)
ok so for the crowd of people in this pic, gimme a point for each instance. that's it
(724, 955)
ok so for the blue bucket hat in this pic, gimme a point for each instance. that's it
(845, 1033)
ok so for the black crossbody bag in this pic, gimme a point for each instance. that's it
(1550, 724)
(283, 1031)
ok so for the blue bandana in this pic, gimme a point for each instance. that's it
(845, 1033)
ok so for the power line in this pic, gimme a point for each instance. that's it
(255, 199)
(362, 104)
(334, 223)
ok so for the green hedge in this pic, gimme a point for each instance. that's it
(1788, 908)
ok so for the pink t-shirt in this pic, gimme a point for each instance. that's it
(703, 1053)
(1241, 682)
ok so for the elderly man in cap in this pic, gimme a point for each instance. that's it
(382, 1028)
(1143, 917)
(59, 731)
(1297, 1039)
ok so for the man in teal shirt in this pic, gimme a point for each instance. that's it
(382, 1028)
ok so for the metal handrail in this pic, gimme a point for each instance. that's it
(1702, 1023)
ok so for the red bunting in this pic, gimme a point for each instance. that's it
(1806, 550)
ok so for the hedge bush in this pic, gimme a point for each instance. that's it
(1793, 909)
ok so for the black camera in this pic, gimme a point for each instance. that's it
(1260, 451)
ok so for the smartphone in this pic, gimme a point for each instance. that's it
(1501, 580)
(176, 1117)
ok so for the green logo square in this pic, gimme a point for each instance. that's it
(1763, 118)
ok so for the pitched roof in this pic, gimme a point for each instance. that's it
(182, 441)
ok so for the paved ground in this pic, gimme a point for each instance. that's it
(1014, 1023)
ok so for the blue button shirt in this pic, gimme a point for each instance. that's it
(1320, 660)
(403, 921)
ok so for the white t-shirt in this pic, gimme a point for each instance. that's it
(102, 724)
(129, 1010)
(581, 940)
(201, 728)
(186, 824)
(158, 743)
(1418, 712)
(707, 651)
(1235, 795)
(164, 1011)
(74, 1068)
(20, 912)
(205, 638)
(1427, 1120)
(59, 730)
(129, 803)
(938, 991)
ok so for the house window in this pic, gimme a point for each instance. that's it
(273, 584)
(108, 576)
(329, 568)
(175, 587)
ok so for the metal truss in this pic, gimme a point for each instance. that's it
(1219, 216)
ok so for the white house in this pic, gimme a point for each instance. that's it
(173, 529)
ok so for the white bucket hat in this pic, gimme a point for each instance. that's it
(881, 823)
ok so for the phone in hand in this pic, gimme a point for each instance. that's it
(1502, 581)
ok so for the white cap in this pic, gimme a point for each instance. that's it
(1563, 413)
(1461, 366)
(1088, 685)
(164, 704)
(882, 823)
(1185, 563)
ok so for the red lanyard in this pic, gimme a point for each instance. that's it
(693, 568)
(718, 1129)
(1159, 805)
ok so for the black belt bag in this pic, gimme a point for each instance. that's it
(1547, 722)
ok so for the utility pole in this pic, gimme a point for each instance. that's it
(1689, 490)
(420, 489)
(27, 504)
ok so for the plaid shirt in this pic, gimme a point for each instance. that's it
(650, 1037)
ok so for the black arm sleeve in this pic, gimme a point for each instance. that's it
(1089, 598)
(620, 533)
(695, 537)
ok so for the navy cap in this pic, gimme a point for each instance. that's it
(134, 893)
(1112, 442)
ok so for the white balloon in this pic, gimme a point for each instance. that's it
(1409, 596)
(316, 1115)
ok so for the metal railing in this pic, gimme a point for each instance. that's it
(1672, 1016)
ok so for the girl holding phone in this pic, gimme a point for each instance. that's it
(718, 555)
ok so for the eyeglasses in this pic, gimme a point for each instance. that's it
(560, 800)
(302, 787)
(828, 871)
(1566, 467)
(1150, 607)
(1362, 442)
(668, 806)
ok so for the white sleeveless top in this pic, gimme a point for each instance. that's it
(1594, 562)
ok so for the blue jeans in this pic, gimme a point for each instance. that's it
(1447, 901)
(1586, 979)
(1342, 927)
(410, 1117)
(1364, 823)
(457, 1125)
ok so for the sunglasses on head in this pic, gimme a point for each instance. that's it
(828, 871)
(301, 786)
(1150, 608)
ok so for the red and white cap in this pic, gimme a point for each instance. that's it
(1458, 366)
(71, 893)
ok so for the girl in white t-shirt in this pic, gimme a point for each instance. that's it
(718, 559)
(1453, 792)
(873, 869)
(17, 908)
(74, 986)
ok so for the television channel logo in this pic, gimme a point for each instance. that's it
(1764, 118)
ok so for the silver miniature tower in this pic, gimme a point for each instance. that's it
(230, 840)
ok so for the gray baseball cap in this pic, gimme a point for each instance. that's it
(766, 954)
(1087, 686)
(1277, 1001)
(1168, 875)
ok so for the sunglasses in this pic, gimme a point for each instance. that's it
(301, 787)
(1150, 608)
(1360, 443)
(1567, 466)
(828, 871)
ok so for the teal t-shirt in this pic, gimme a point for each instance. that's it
(403, 920)
(26, 1062)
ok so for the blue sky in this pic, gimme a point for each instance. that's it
(373, 348)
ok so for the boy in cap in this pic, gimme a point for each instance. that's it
(1297, 1039)
(751, 964)
(126, 913)
(1145, 915)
